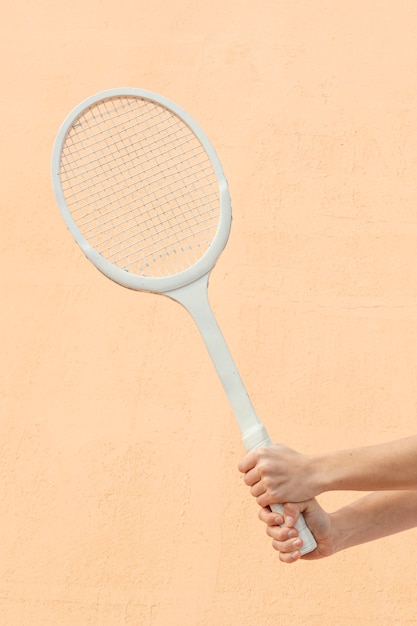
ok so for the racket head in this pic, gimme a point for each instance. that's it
(141, 189)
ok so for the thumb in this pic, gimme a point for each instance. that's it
(291, 514)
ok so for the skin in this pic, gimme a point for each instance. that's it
(278, 474)
(376, 515)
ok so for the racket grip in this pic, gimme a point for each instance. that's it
(257, 437)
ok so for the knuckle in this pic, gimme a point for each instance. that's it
(276, 545)
(268, 482)
(262, 466)
(261, 500)
(258, 453)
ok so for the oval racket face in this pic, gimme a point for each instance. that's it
(141, 189)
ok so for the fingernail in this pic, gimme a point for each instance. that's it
(295, 555)
(278, 521)
(292, 533)
(289, 521)
(296, 543)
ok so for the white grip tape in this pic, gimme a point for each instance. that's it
(257, 437)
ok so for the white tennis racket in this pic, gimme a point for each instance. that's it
(142, 191)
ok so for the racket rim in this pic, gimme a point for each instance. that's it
(161, 284)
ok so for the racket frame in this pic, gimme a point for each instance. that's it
(158, 284)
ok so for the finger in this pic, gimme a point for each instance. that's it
(288, 551)
(282, 534)
(291, 557)
(270, 518)
(258, 489)
(265, 499)
(247, 463)
(291, 514)
(251, 477)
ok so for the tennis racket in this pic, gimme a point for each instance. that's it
(142, 191)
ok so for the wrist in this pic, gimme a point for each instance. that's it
(340, 535)
(338, 471)
(322, 473)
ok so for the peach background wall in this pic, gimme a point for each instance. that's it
(120, 499)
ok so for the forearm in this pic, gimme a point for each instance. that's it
(376, 515)
(386, 466)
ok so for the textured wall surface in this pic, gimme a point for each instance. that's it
(120, 499)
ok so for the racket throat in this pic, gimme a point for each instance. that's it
(192, 295)
(194, 298)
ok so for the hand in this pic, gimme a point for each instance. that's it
(278, 474)
(285, 538)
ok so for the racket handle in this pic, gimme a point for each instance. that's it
(257, 437)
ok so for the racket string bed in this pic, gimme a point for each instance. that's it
(140, 186)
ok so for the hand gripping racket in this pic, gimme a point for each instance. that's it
(142, 191)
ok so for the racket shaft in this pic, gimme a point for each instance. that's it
(194, 298)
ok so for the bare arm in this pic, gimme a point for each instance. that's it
(279, 474)
(376, 515)
(385, 466)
